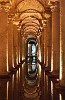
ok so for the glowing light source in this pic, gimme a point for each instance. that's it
(19, 74)
(52, 61)
(39, 71)
(13, 81)
(61, 58)
(7, 57)
(19, 55)
(60, 96)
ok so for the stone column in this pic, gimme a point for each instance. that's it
(23, 48)
(15, 44)
(39, 48)
(20, 48)
(45, 46)
(17, 48)
(20, 45)
(3, 42)
(62, 43)
(55, 60)
(49, 42)
(42, 47)
(10, 46)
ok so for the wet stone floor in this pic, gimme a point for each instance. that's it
(12, 88)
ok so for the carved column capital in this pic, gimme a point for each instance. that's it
(54, 6)
(5, 5)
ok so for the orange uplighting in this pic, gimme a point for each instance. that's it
(60, 97)
(7, 59)
(52, 62)
(7, 89)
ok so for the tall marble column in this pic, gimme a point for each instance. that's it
(42, 47)
(20, 48)
(10, 46)
(49, 41)
(3, 42)
(15, 44)
(55, 60)
(62, 43)
(20, 45)
(45, 46)
(23, 47)
(39, 48)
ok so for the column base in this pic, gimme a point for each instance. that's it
(14, 69)
(53, 75)
(62, 83)
(59, 87)
(5, 75)
(47, 69)
(20, 64)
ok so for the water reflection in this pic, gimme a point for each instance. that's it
(44, 89)
(51, 90)
(7, 90)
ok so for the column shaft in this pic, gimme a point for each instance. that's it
(49, 41)
(3, 42)
(45, 46)
(42, 48)
(62, 43)
(10, 46)
(55, 40)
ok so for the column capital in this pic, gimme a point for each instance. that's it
(54, 6)
(5, 4)
(10, 18)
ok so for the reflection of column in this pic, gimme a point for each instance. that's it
(55, 39)
(3, 42)
(62, 43)
(10, 46)
(49, 41)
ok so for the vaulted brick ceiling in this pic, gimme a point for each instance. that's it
(28, 11)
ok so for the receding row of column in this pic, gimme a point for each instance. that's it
(54, 42)
(10, 44)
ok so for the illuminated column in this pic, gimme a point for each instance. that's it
(20, 43)
(3, 42)
(42, 47)
(39, 48)
(20, 48)
(49, 33)
(45, 46)
(55, 60)
(10, 46)
(62, 43)
(23, 48)
(15, 44)
(17, 47)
